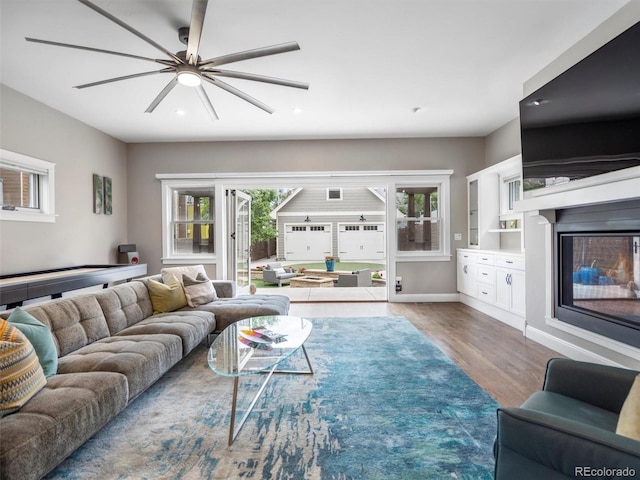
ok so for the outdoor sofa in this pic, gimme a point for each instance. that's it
(578, 426)
(108, 347)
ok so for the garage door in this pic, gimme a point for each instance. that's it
(361, 241)
(307, 242)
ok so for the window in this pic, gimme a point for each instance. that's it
(421, 222)
(26, 188)
(189, 229)
(510, 193)
(334, 194)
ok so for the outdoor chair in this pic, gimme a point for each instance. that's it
(359, 278)
(276, 273)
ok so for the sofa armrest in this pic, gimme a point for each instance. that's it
(600, 385)
(529, 437)
(224, 288)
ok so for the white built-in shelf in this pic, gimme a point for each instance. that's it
(505, 230)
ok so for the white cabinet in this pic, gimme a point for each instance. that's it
(510, 283)
(466, 278)
(486, 278)
(484, 202)
(493, 282)
(492, 194)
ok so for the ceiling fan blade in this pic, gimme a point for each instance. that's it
(207, 103)
(107, 15)
(99, 50)
(165, 91)
(195, 30)
(225, 86)
(255, 53)
(126, 77)
(258, 78)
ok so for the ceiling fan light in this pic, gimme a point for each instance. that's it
(190, 79)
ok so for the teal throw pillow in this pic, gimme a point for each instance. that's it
(40, 337)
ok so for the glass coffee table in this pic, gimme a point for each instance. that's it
(257, 345)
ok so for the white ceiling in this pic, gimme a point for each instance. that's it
(369, 64)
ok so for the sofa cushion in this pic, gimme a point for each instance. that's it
(40, 337)
(190, 270)
(230, 310)
(74, 321)
(571, 409)
(166, 297)
(629, 419)
(141, 358)
(61, 417)
(198, 290)
(192, 327)
(125, 305)
(21, 375)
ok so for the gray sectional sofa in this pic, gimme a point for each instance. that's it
(111, 348)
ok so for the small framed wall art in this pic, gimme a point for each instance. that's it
(108, 198)
(98, 194)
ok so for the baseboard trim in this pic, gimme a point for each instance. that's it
(567, 349)
(424, 297)
(498, 313)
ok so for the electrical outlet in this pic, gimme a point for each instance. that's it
(457, 236)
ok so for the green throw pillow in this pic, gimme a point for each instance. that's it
(40, 337)
(21, 375)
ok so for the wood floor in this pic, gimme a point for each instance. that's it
(498, 357)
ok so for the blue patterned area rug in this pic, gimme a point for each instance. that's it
(384, 403)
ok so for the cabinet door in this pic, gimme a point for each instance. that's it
(466, 277)
(473, 213)
(503, 289)
(518, 303)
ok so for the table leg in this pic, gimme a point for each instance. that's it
(233, 432)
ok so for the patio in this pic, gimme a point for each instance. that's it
(352, 294)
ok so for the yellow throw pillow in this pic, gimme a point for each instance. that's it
(21, 375)
(629, 419)
(168, 296)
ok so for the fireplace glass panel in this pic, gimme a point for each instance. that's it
(601, 274)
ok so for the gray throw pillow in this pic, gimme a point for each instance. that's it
(198, 290)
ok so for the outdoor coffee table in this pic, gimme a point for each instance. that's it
(257, 345)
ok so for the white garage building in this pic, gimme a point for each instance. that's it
(347, 222)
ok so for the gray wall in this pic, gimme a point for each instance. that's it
(463, 155)
(78, 236)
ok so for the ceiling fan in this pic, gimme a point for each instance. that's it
(187, 66)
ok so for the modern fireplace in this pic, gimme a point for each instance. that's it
(597, 269)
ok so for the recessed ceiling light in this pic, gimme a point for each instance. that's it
(297, 110)
(537, 102)
(180, 112)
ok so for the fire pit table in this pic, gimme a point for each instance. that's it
(311, 282)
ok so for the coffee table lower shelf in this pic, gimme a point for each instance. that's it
(233, 431)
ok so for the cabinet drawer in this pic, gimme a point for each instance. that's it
(486, 275)
(487, 292)
(466, 257)
(486, 259)
(516, 262)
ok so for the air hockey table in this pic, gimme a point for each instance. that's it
(17, 288)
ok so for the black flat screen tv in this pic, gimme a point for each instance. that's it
(586, 121)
